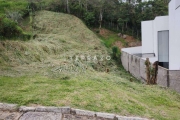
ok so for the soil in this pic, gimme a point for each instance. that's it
(130, 40)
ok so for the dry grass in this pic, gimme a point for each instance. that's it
(58, 36)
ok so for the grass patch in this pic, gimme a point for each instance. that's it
(101, 92)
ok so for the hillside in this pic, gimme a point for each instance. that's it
(57, 37)
(45, 71)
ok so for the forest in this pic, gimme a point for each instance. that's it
(111, 14)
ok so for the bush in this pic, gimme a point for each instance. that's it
(14, 15)
(89, 18)
(116, 53)
(9, 28)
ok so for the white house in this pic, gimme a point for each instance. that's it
(161, 36)
(160, 42)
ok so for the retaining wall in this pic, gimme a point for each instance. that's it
(142, 70)
(174, 80)
(162, 77)
(124, 59)
(136, 66)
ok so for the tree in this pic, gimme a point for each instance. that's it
(67, 6)
(99, 6)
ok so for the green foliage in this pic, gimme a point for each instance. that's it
(10, 12)
(89, 18)
(116, 53)
(121, 17)
(9, 28)
(117, 16)
(13, 5)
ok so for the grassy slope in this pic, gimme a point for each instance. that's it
(28, 76)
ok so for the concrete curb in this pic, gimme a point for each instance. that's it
(9, 107)
(63, 111)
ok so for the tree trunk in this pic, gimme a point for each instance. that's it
(154, 73)
(100, 19)
(67, 5)
(126, 24)
(86, 5)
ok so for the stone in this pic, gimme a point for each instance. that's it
(119, 34)
(106, 115)
(124, 36)
(5, 115)
(83, 112)
(41, 116)
(26, 109)
(8, 107)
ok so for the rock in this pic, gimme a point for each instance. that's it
(124, 36)
(119, 34)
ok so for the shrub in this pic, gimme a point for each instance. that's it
(89, 18)
(14, 15)
(10, 29)
(116, 53)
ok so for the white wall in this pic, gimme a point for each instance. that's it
(159, 24)
(174, 35)
(132, 50)
(147, 37)
(177, 3)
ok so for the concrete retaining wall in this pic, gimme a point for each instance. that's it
(124, 59)
(136, 66)
(162, 77)
(174, 80)
(142, 70)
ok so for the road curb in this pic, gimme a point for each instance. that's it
(64, 111)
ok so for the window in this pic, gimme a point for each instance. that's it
(163, 48)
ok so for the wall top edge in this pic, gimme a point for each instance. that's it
(163, 68)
